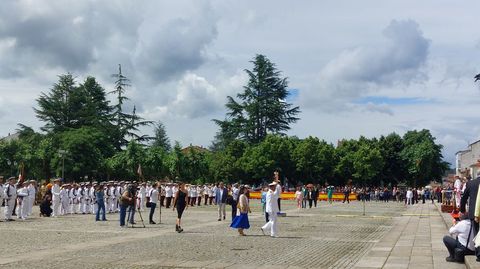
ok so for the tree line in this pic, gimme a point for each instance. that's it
(90, 137)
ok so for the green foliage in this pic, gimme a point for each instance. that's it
(85, 149)
(422, 156)
(315, 160)
(126, 125)
(262, 108)
(103, 141)
(160, 139)
(367, 163)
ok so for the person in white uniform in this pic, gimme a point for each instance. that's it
(142, 195)
(168, 195)
(64, 199)
(271, 208)
(56, 197)
(22, 201)
(93, 201)
(32, 193)
(118, 194)
(10, 194)
(82, 198)
(73, 195)
(113, 198)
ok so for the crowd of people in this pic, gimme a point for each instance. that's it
(128, 197)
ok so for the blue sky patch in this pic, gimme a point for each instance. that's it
(293, 95)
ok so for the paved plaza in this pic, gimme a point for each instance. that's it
(329, 236)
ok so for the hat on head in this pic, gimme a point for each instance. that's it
(272, 184)
(57, 179)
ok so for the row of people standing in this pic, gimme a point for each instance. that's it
(306, 194)
(18, 198)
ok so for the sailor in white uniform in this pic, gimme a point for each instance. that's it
(271, 208)
(73, 195)
(64, 200)
(32, 194)
(56, 197)
(142, 194)
(10, 194)
(22, 201)
(93, 201)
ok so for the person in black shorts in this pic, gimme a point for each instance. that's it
(180, 202)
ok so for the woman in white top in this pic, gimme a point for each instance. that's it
(299, 197)
(241, 220)
(152, 199)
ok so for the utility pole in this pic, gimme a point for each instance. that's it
(62, 154)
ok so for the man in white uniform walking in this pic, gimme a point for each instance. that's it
(271, 208)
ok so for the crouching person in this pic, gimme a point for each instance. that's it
(460, 243)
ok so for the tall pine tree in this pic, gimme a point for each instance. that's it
(161, 139)
(262, 108)
(127, 125)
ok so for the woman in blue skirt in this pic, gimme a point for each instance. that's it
(240, 222)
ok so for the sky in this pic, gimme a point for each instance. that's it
(354, 67)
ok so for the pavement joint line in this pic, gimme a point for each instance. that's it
(362, 216)
(416, 214)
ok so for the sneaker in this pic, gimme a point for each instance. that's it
(152, 222)
(219, 220)
(449, 259)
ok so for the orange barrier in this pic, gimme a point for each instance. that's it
(337, 196)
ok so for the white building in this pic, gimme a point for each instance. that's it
(467, 162)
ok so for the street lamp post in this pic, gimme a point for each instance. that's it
(62, 154)
(12, 169)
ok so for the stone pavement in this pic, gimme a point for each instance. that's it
(414, 242)
(330, 236)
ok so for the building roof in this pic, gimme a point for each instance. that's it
(10, 137)
(462, 151)
(194, 148)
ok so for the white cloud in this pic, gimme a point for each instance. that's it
(195, 97)
(185, 57)
(397, 60)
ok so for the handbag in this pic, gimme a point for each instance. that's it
(229, 200)
(460, 252)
